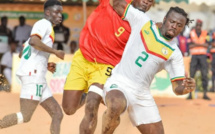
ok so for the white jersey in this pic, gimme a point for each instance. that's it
(146, 53)
(33, 61)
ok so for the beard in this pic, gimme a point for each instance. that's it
(168, 36)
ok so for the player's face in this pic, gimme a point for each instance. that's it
(143, 5)
(173, 25)
(55, 14)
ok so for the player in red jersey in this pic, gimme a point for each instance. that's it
(102, 42)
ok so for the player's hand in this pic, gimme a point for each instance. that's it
(1, 79)
(60, 54)
(51, 67)
(189, 84)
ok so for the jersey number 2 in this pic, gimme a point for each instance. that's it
(143, 58)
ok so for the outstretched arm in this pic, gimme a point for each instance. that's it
(119, 6)
(181, 87)
(39, 45)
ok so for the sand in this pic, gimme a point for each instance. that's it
(179, 116)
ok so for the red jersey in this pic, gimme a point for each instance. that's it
(182, 44)
(104, 35)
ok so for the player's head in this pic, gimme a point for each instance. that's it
(143, 5)
(174, 22)
(22, 20)
(198, 25)
(53, 11)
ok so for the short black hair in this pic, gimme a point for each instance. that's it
(12, 41)
(21, 17)
(73, 42)
(50, 3)
(3, 18)
(180, 11)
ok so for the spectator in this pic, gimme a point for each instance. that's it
(6, 62)
(73, 47)
(62, 34)
(182, 40)
(21, 33)
(198, 49)
(5, 36)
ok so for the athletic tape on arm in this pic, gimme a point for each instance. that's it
(96, 90)
(19, 118)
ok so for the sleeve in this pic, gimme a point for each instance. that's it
(175, 66)
(39, 29)
(134, 16)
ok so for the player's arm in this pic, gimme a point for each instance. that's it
(175, 67)
(39, 45)
(185, 86)
(119, 6)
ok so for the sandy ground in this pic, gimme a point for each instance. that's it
(179, 116)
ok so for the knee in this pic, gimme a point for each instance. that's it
(69, 110)
(116, 103)
(92, 108)
(22, 117)
(115, 109)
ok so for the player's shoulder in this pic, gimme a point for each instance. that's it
(43, 22)
(174, 44)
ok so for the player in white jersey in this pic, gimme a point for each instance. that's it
(148, 51)
(32, 70)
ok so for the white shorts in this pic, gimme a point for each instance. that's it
(141, 107)
(34, 91)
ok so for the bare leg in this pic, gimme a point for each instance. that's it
(116, 104)
(54, 110)
(73, 100)
(27, 108)
(153, 128)
(89, 122)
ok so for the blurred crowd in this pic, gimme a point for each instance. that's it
(11, 41)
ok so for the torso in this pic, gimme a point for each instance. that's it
(104, 36)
